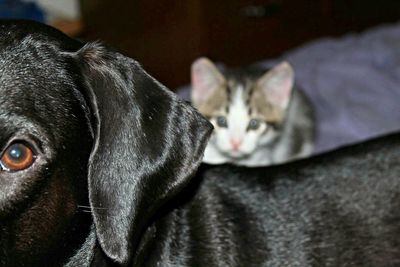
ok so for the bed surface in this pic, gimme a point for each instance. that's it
(353, 83)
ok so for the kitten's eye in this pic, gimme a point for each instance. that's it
(254, 124)
(222, 122)
(17, 157)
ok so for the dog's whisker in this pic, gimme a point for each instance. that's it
(86, 211)
(90, 211)
(89, 207)
(83, 206)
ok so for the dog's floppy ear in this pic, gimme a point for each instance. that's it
(147, 144)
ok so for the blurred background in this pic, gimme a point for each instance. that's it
(166, 36)
(346, 53)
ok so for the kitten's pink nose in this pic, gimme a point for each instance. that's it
(235, 144)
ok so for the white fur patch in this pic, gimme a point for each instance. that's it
(236, 144)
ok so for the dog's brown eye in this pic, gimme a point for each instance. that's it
(17, 157)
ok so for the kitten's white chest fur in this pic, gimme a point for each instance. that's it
(245, 113)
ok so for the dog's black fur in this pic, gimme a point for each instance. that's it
(109, 139)
(112, 183)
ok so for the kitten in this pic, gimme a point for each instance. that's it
(259, 118)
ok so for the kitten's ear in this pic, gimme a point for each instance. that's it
(277, 84)
(205, 80)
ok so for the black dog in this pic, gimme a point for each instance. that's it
(84, 129)
(97, 170)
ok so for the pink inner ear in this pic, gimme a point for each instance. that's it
(283, 93)
(204, 80)
(199, 85)
(198, 82)
(277, 85)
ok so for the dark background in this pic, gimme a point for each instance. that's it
(167, 35)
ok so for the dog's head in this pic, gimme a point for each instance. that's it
(82, 125)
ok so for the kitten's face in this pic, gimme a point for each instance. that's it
(238, 128)
(245, 111)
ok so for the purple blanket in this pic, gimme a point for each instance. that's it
(353, 83)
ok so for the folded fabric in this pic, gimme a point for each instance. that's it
(353, 83)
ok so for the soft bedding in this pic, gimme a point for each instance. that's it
(353, 83)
